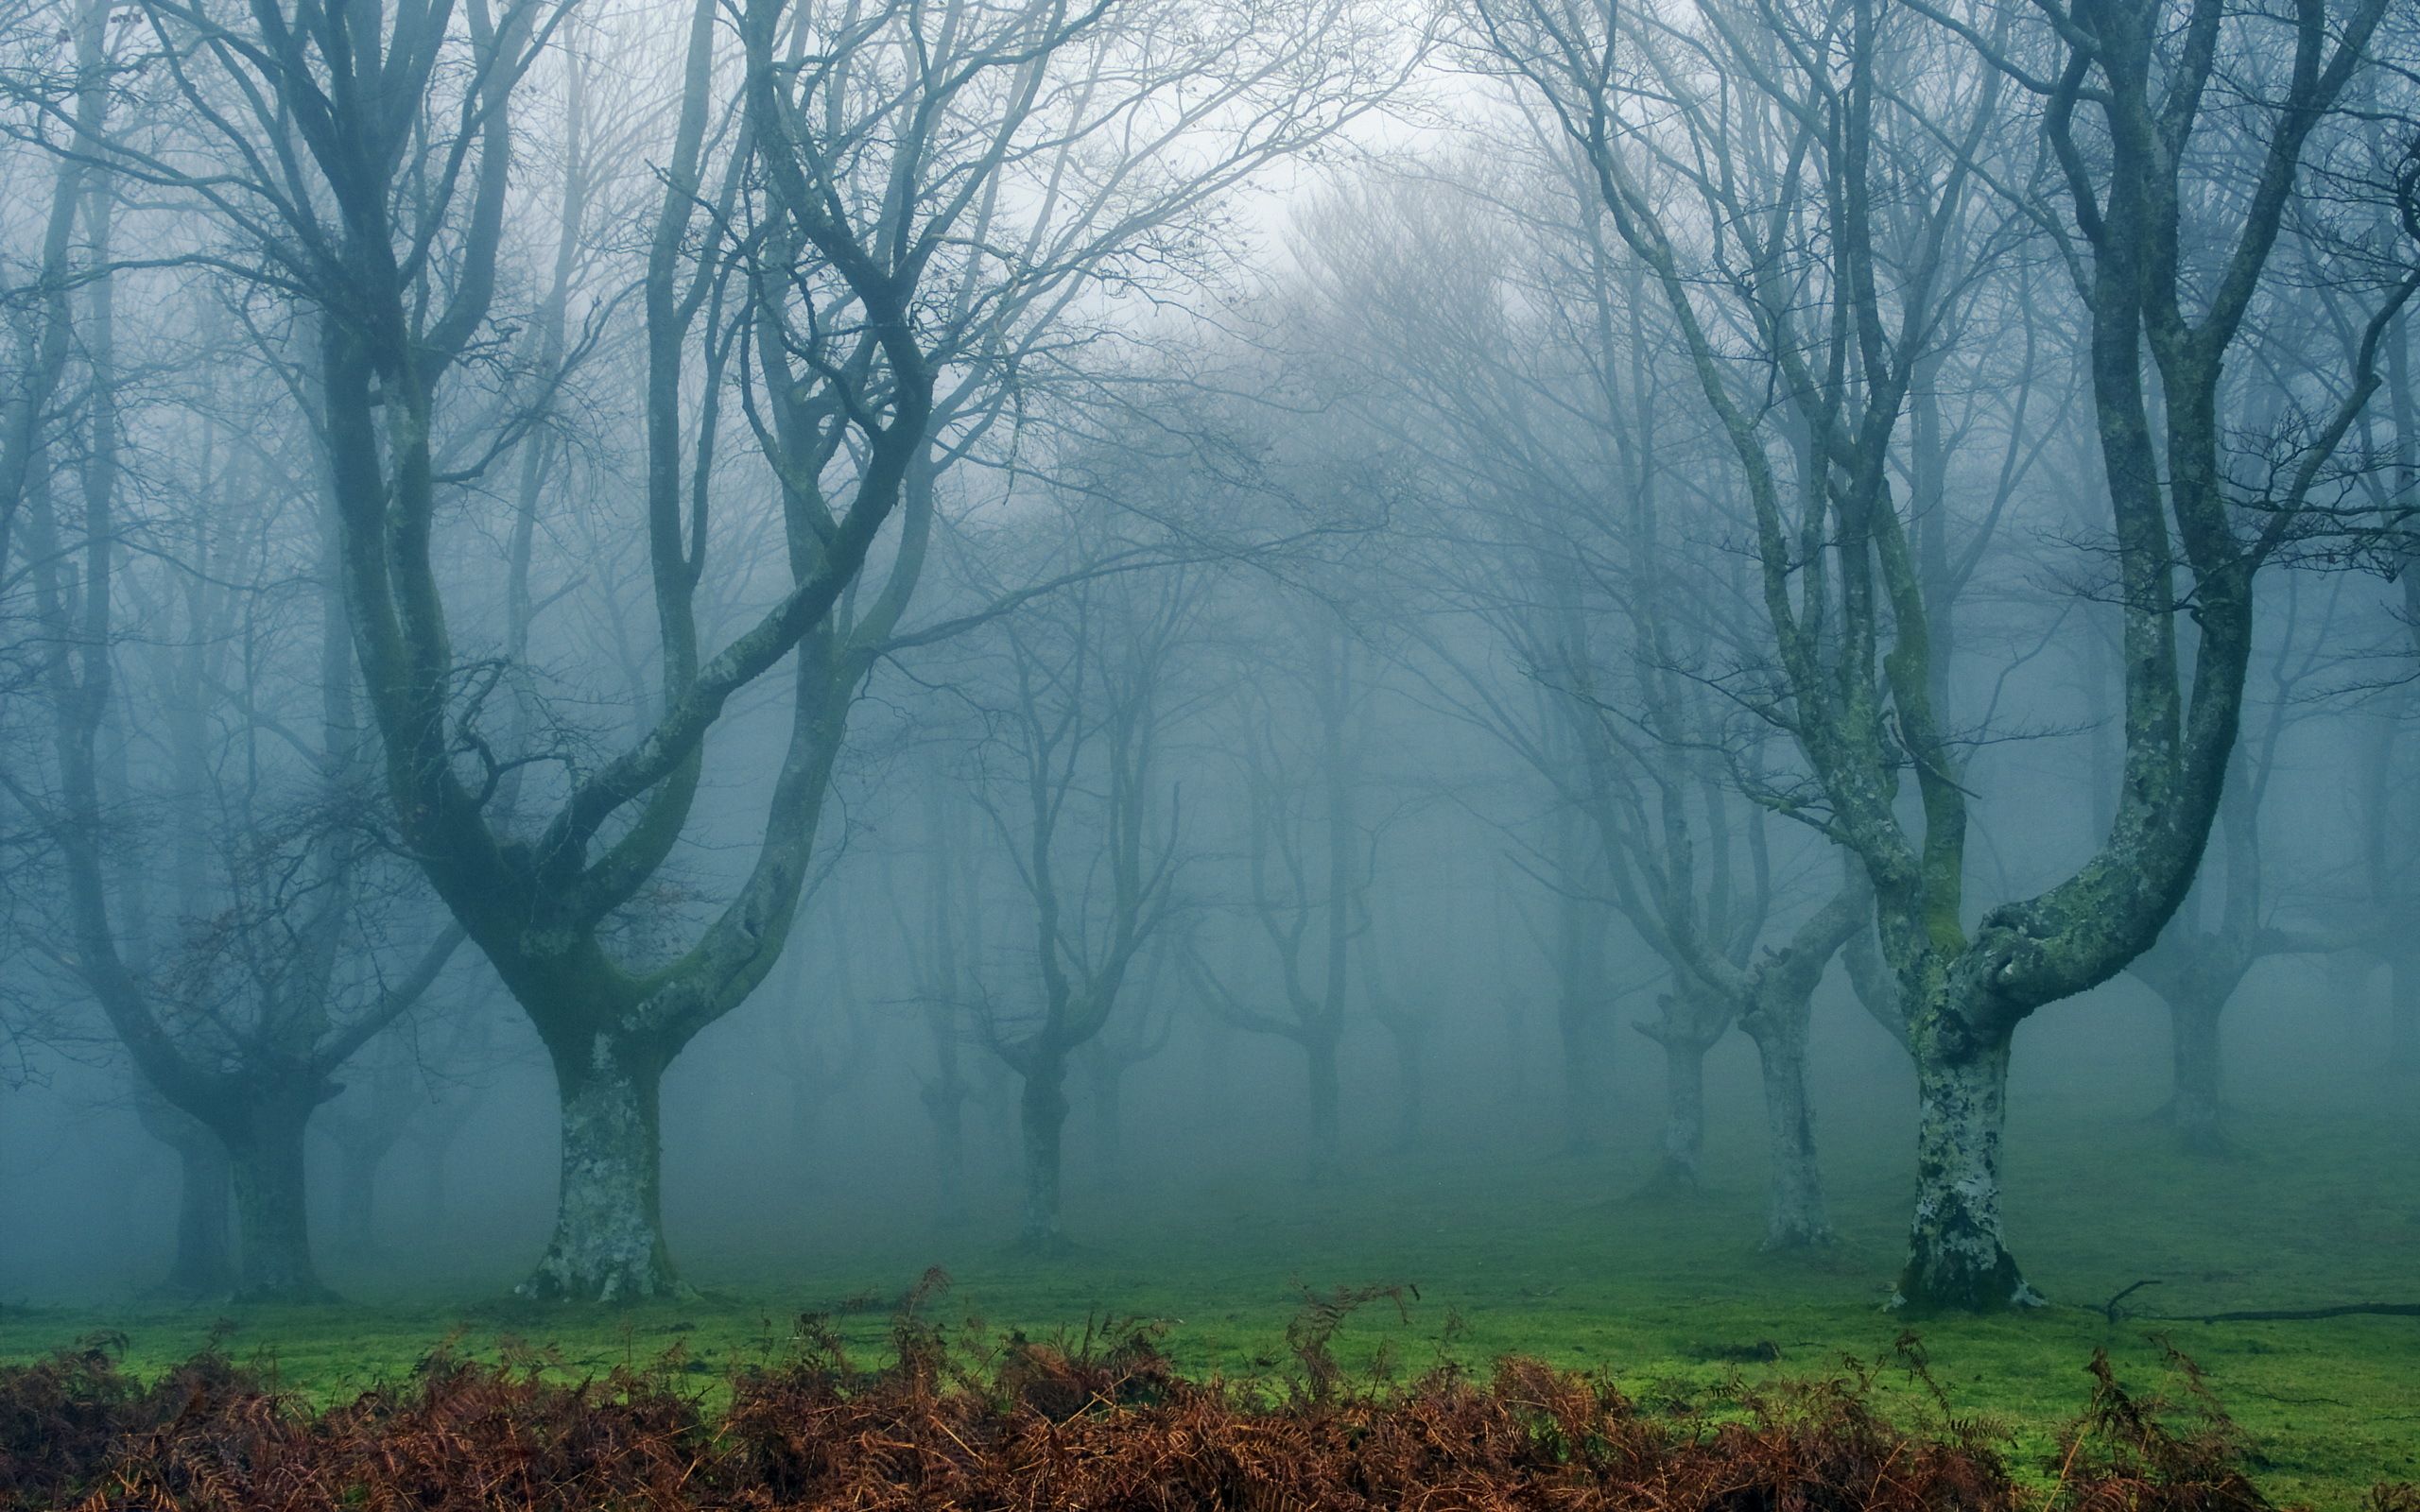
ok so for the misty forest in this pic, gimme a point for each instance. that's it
(1181, 752)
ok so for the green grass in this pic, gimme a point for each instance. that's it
(1529, 1255)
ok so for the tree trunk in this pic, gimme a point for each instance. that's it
(1795, 1218)
(1684, 1142)
(2197, 1107)
(266, 1163)
(607, 1245)
(1318, 1054)
(204, 1265)
(1956, 1262)
(1043, 1117)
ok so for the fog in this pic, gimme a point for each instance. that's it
(649, 646)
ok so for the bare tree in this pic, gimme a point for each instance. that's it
(1073, 781)
(874, 226)
(1307, 851)
(1839, 326)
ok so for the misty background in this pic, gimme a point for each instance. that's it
(978, 617)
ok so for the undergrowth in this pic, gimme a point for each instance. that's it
(1095, 1420)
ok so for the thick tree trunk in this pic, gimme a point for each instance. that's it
(1956, 1262)
(607, 1245)
(1684, 1141)
(204, 1265)
(2198, 1108)
(1043, 1119)
(1319, 1056)
(1795, 1216)
(266, 1163)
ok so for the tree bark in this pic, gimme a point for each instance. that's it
(1956, 1260)
(608, 1243)
(1041, 1112)
(204, 1265)
(1682, 1146)
(204, 1262)
(1796, 1216)
(266, 1163)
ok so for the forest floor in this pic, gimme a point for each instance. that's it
(1670, 1295)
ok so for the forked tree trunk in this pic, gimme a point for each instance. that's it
(266, 1164)
(1042, 1114)
(608, 1243)
(1956, 1262)
(2199, 1108)
(204, 1265)
(1795, 1215)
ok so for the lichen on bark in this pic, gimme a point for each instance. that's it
(608, 1243)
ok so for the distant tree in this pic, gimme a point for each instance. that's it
(949, 931)
(1299, 743)
(1073, 777)
(1410, 1022)
(1570, 541)
(238, 1012)
(1133, 1037)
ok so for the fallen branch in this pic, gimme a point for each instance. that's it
(2109, 1309)
(2288, 1314)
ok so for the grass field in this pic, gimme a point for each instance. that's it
(1525, 1255)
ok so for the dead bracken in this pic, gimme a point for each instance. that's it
(1096, 1421)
